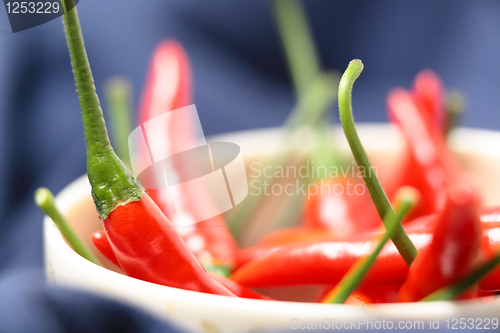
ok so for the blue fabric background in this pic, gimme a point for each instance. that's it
(241, 82)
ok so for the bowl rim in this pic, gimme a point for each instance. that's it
(77, 190)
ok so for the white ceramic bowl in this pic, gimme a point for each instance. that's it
(478, 151)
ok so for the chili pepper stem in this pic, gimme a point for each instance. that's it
(297, 41)
(312, 87)
(403, 243)
(45, 200)
(103, 166)
(451, 292)
(312, 104)
(455, 106)
(355, 275)
(118, 92)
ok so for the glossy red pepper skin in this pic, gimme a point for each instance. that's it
(301, 235)
(430, 166)
(455, 248)
(148, 247)
(168, 87)
(101, 242)
(382, 293)
(276, 239)
(326, 261)
(490, 217)
(341, 210)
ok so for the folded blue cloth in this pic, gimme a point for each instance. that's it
(28, 304)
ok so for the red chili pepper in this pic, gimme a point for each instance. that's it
(148, 247)
(455, 248)
(144, 241)
(168, 84)
(101, 241)
(430, 166)
(341, 209)
(282, 237)
(427, 93)
(279, 238)
(168, 88)
(490, 217)
(326, 261)
(382, 293)
(293, 235)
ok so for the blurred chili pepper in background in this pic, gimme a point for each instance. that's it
(340, 210)
(428, 95)
(168, 87)
(430, 166)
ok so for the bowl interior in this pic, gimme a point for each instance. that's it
(477, 150)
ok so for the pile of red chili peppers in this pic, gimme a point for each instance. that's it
(449, 227)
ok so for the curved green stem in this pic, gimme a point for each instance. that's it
(355, 275)
(112, 182)
(45, 200)
(403, 243)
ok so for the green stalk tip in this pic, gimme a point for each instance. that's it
(42, 196)
(45, 200)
